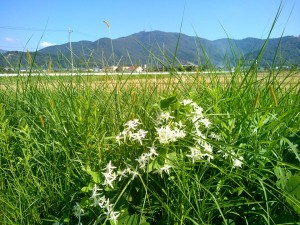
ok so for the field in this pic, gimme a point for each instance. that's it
(166, 149)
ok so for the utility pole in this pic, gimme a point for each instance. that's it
(163, 56)
(70, 31)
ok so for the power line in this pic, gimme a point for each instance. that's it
(4, 47)
(45, 29)
(32, 29)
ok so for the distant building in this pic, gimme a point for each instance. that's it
(134, 69)
(109, 69)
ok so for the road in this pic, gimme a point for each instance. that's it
(99, 74)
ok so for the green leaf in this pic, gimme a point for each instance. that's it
(87, 188)
(95, 175)
(293, 148)
(293, 188)
(133, 219)
(282, 176)
(154, 165)
(166, 102)
(172, 156)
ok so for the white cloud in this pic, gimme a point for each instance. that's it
(45, 44)
(8, 39)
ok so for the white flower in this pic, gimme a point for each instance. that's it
(205, 122)
(138, 136)
(142, 160)
(122, 174)
(113, 216)
(238, 162)
(179, 124)
(164, 117)
(78, 211)
(132, 124)
(198, 111)
(167, 135)
(128, 132)
(109, 175)
(186, 102)
(165, 169)
(152, 152)
(133, 173)
(95, 194)
(119, 138)
(109, 167)
(178, 133)
(101, 202)
(145, 157)
(207, 147)
(109, 179)
(196, 154)
(215, 136)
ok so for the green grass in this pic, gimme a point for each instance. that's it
(56, 135)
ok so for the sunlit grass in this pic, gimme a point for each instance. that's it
(54, 136)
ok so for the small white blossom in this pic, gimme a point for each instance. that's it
(119, 138)
(113, 216)
(179, 133)
(207, 147)
(165, 169)
(167, 135)
(179, 124)
(196, 154)
(102, 202)
(133, 173)
(215, 136)
(142, 160)
(95, 195)
(205, 122)
(109, 175)
(132, 124)
(238, 162)
(152, 152)
(78, 211)
(122, 174)
(198, 111)
(164, 117)
(186, 102)
(109, 179)
(109, 167)
(138, 136)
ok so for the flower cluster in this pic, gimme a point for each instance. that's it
(109, 175)
(201, 148)
(235, 157)
(78, 212)
(189, 124)
(104, 203)
(145, 157)
(169, 130)
(131, 133)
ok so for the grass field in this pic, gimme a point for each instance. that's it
(172, 149)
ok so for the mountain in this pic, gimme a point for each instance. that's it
(156, 47)
(2, 51)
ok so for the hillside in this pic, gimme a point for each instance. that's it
(150, 47)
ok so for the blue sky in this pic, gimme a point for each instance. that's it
(34, 24)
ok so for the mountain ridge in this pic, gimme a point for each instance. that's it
(156, 47)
